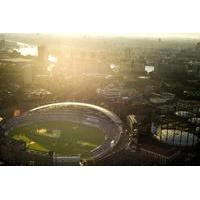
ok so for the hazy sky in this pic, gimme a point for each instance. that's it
(99, 16)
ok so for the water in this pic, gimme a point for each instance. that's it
(32, 50)
(27, 49)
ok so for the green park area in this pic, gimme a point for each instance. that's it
(59, 136)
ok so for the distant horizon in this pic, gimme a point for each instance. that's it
(128, 35)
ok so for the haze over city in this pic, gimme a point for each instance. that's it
(99, 83)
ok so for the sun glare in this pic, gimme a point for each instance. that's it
(93, 16)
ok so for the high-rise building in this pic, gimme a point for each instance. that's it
(42, 54)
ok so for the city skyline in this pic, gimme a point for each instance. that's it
(107, 91)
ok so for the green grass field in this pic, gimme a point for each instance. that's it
(61, 137)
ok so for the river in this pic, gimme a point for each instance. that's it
(27, 49)
(32, 50)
